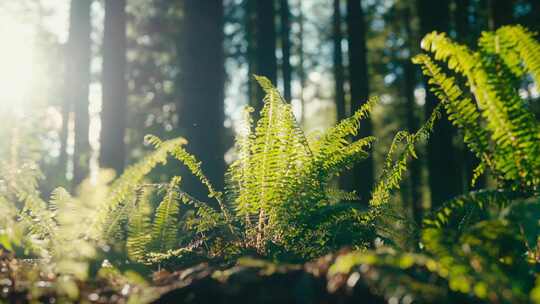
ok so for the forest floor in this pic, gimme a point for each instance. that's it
(249, 281)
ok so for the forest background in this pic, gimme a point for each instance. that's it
(91, 78)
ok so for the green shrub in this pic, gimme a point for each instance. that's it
(481, 245)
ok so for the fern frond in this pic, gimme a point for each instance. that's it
(514, 134)
(114, 209)
(165, 226)
(461, 110)
(521, 48)
(337, 138)
(278, 150)
(138, 241)
(392, 173)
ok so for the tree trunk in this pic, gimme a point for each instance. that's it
(201, 107)
(409, 83)
(78, 81)
(265, 45)
(339, 73)
(113, 113)
(461, 21)
(362, 178)
(301, 61)
(501, 12)
(444, 175)
(284, 14)
(251, 52)
(64, 133)
(533, 20)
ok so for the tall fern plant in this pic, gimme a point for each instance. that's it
(279, 198)
(280, 178)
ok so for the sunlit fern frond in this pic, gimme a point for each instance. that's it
(334, 151)
(402, 149)
(510, 142)
(277, 151)
(139, 227)
(113, 210)
(519, 48)
(165, 225)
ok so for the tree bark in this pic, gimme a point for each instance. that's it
(461, 20)
(113, 113)
(201, 106)
(251, 52)
(265, 45)
(284, 13)
(534, 15)
(444, 175)
(301, 61)
(501, 12)
(78, 81)
(339, 73)
(410, 79)
(362, 178)
(64, 133)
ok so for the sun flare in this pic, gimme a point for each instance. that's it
(17, 64)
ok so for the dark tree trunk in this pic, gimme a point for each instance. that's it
(301, 61)
(265, 45)
(339, 73)
(444, 175)
(461, 20)
(363, 174)
(501, 12)
(533, 17)
(251, 51)
(284, 15)
(201, 107)
(78, 81)
(113, 113)
(409, 83)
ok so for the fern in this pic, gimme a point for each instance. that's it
(497, 125)
(139, 240)
(280, 178)
(519, 48)
(113, 210)
(165, 226)
(393, 170)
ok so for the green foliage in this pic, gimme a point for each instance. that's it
(281, 199)
(280, 181)
(497, 123)
(139, 238)
(482, 246)
(119, 202)
(484, 239)
(165, 226)
(396, 163)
